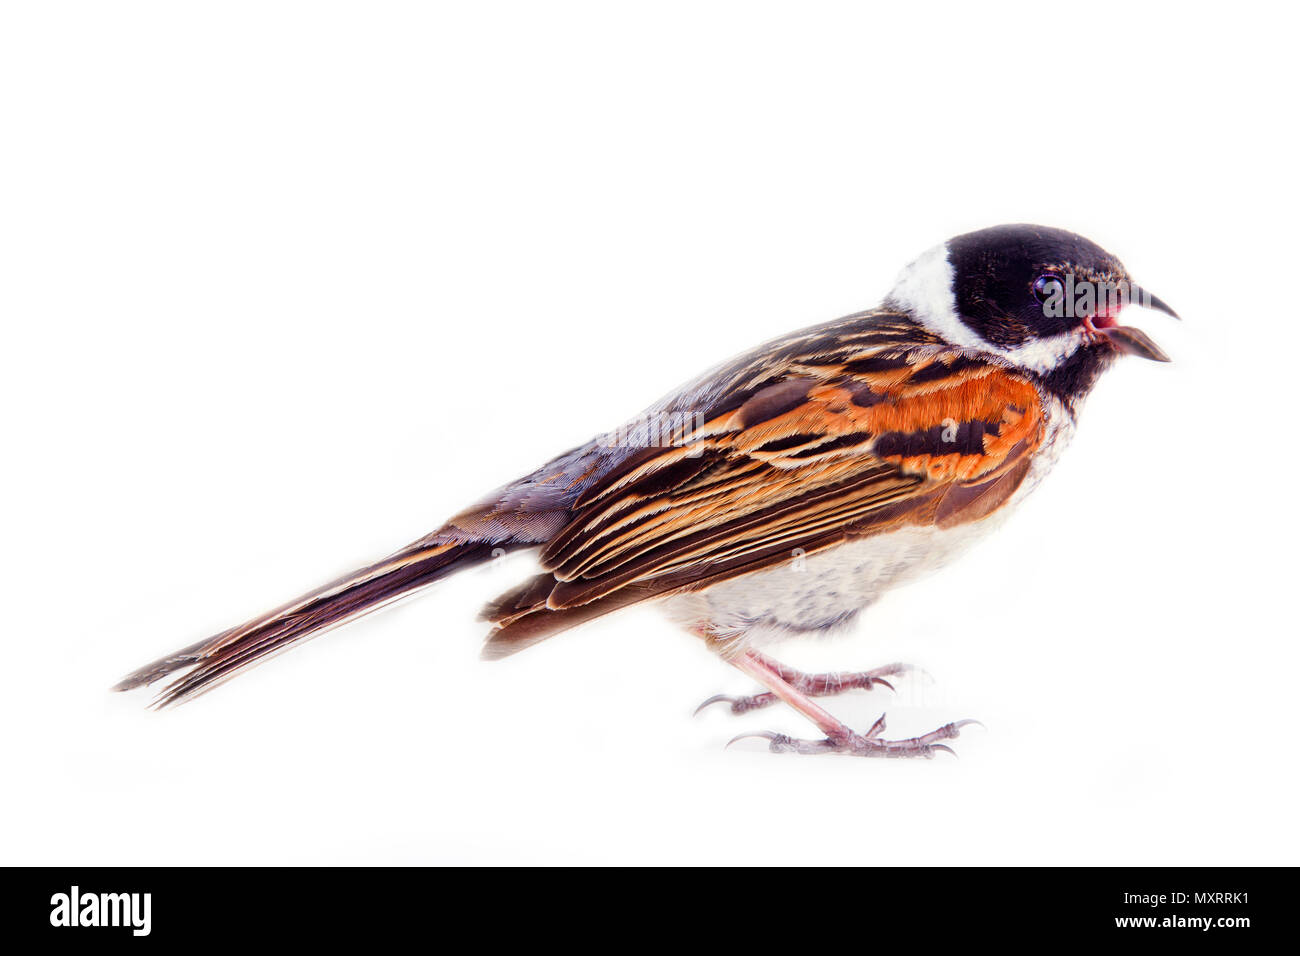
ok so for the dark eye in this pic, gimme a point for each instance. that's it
(1046, 286)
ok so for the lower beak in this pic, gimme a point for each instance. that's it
(1133, 341)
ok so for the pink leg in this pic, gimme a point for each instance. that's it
(810, 685)
(839, 738)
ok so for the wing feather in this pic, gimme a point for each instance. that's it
(878, 431)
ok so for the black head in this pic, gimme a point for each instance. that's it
(1041, 299)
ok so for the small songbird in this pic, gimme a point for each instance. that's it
(784, 491)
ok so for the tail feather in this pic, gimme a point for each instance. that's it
(367, 589)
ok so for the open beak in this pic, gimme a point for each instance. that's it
(1127, 339)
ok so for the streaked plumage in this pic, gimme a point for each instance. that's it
(801, 481)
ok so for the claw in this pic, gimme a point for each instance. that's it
(944, 747)
(715, 699)
(740, 705)
(768, 735)
(877, 728)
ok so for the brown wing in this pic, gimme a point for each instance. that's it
(921, 436)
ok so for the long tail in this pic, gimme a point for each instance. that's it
(221, 657)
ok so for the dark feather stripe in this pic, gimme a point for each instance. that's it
(939, 370)
(964, 438)
(791, 441)
(773, 402)
(851, 440)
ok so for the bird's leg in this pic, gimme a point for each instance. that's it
(839, 738)
(811, 685)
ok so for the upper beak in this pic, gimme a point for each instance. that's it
(1131, 341)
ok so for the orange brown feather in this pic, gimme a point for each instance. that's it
(851, 446)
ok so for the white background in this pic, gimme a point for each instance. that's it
(284, 285)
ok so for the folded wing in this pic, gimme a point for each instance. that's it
(848, 443)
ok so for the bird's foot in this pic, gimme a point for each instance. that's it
(811, 685)
(868, 744)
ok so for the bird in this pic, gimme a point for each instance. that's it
(780, 494)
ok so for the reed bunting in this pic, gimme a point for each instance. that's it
(783, 492)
